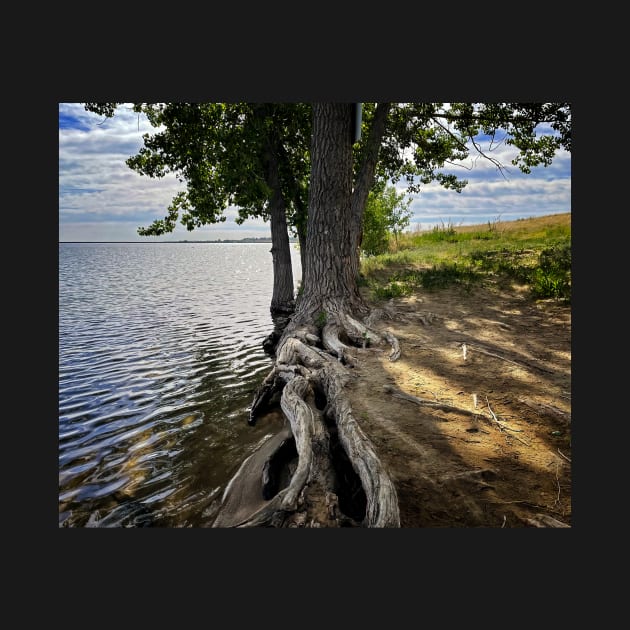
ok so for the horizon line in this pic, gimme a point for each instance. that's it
(225, 240)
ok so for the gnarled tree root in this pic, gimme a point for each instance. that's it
(319, 413)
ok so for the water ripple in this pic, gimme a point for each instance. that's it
(159, 356)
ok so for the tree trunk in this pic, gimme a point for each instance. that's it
(336, 478)
(301, 234)
(365, 178)
(282, 299)
(328, 278)
(283, 296)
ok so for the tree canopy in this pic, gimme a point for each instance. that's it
(242, 154)
(386, 213)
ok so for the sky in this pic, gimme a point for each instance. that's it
(102, 199)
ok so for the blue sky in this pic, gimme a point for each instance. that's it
(102, 199)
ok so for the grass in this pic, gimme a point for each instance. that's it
(533, 252)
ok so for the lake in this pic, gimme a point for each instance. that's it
(160, 354)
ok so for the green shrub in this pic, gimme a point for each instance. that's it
(552, 278)
(538, 256)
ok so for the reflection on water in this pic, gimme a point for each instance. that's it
(160, 353)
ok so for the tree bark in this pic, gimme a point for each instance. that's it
(365, 177)
(283, 298)
(328, 277)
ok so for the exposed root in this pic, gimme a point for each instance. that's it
(243, 496)
(361, 334)
(546, 410)
(382, 501)
(263, 396)
(332, 343)
(543, 520)
(396, 393)
(521, 364)
(304, 428)
(395, 353)
(377, 314)
(313, 497)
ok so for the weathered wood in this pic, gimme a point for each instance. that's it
(358, 332)
(302, 424)
(263, 395)
(242, 496)
(394, 355)
(310, 499)
(543, 520)
(382, 501)
(331, 342)
(364, 335)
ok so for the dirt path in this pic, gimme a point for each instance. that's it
(504, 462)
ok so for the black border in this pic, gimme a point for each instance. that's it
(300, 67)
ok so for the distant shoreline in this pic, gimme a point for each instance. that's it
(242, 240)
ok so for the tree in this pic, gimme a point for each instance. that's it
(311, 355)
(250, 155)
(386, 213)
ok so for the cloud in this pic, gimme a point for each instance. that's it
(95, 184)
(101, 198)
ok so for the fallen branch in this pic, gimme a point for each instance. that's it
(558, 482)
(396, 393)
(542, 520)
(563, 455)
(502, 425)
(520, 364)
(545, 409)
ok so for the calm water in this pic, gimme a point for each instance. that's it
(159, 358)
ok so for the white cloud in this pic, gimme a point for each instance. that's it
(101, 198)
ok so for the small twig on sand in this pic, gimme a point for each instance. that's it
(396, 393)
(558, 482)
(492, 414)
(563, 455)
(502, 425)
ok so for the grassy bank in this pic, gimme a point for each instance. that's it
(535, 253)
